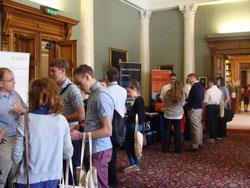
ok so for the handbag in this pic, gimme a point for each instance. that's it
(138, 139)
(229, 115)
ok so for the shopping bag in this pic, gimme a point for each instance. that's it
(138, 140)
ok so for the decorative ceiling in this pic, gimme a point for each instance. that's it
(156, 5)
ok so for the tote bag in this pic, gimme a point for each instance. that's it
(85, 179)
(138, 139)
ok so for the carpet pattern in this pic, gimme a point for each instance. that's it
(225, 163)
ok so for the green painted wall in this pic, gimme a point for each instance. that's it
(116, 25)
(166, 33)
(166, 40)
(210, 20)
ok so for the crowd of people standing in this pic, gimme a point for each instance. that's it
(193, 100)
(58, 116)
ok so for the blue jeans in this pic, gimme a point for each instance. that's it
(47, 184)
(129, 144)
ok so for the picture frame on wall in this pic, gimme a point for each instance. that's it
(166, 67)
(116, 56)
(203, 81)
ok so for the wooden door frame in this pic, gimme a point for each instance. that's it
(223, 45)
(21, 19)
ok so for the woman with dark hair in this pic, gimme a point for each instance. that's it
(49, 137)
(173, 113)
(226, 99)
(133, 90)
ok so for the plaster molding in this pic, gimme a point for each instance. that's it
(188, 10)
(145, 16)
(157, 5)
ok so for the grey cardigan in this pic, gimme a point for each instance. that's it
(49, 144)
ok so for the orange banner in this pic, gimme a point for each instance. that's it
(159, 78)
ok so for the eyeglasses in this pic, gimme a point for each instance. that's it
(10, 80)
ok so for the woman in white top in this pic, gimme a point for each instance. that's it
(49, 137)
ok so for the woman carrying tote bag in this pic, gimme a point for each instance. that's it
(48, 138)
(137, 108)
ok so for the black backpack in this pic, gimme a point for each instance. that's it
(119, 130)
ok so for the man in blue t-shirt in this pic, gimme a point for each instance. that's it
(72, 101)
(98, 121)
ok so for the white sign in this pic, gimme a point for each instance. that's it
(19, 64)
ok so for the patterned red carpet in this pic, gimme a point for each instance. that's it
(222, 164)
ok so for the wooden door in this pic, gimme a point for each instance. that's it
(68, 50)
(218, 66)
(28, 44)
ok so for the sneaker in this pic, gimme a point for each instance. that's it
(137, 168)
(219, 138)
(130, 169)
(211, 140)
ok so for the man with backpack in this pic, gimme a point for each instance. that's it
(119, 96)
(73, 104)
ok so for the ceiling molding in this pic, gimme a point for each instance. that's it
(157, 5)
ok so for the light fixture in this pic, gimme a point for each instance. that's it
(235, 26)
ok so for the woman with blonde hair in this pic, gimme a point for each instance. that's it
(49, 137)
(174, 101)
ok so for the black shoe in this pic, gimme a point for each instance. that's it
(193, 149)
(165, 150)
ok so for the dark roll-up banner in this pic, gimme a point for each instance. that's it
(128, 72)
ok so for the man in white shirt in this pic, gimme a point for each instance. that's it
(212, 99)
(119, 96)
(168, 86)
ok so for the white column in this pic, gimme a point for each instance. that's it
(145, 55)
(87, 32)
(189, 51)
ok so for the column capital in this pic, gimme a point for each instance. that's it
(188, 10)
(145, 15)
